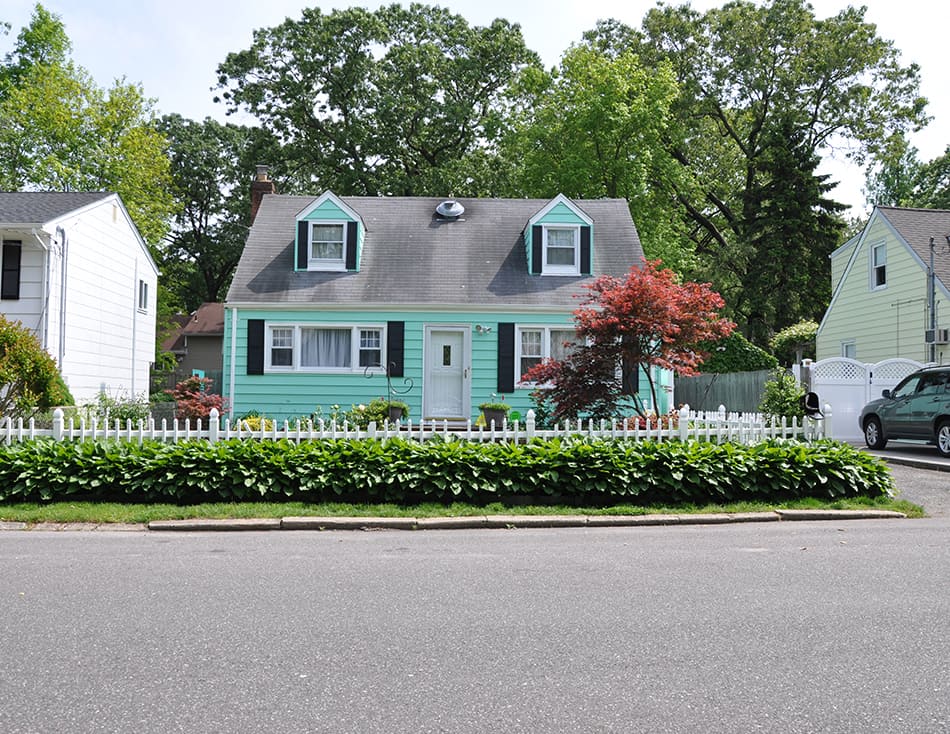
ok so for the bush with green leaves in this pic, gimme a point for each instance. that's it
(576, 471)
(109, 409)
(29, 378)
(796, 342)
(782, 397)
(735, 353)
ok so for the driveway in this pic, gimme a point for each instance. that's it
(926, 487)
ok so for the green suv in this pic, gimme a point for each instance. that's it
(918, 408)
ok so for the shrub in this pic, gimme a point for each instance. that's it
(735, 353)
(782, 396)
(193, 402)
(29, 378)
(110, 409)
(582, 471)
(376, 412)
(796, 342)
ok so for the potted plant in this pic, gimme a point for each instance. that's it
(397, 410)
(495, 410)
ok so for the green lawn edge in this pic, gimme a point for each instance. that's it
(134, 513)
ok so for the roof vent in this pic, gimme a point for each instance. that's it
(450, 209)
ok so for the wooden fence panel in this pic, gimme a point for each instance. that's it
(739, 391)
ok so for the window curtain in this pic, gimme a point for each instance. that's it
(325, 348)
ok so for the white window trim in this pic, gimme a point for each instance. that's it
(142, 296)
(574, 269)
(872, 279)
(545, 330)
(844, 348)
(354, 329)
(325, 264)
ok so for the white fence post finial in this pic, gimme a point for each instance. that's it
(529, 424)
(214, 424)
(58, 424)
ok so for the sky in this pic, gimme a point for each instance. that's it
(173, 47)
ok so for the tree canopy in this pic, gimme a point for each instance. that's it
(393, 101)
(764, 87)
(77, 136)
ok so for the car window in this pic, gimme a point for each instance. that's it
(907, 387)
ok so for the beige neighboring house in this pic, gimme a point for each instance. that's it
(881, 306)
(197, 344)
(75, 271)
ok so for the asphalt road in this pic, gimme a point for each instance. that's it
(769, 627)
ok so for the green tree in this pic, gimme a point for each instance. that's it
(932, 185)
(796, 342)
(892, 179)
(42, 43)
(29, 378)
(747, 73)
(212, 165)
(60, 132)
(596, 128)
(394, 101)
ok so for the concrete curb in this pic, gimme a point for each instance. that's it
(515, 521)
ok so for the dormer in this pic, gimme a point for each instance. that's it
(558, 240)
(329, 236)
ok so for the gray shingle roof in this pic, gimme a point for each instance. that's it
(917, 226)
(410, 256)
(39, 207)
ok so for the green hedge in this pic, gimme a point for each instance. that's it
(578, 471)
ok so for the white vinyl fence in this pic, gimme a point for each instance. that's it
(718, 426)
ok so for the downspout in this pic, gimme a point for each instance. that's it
(64, 243)
(231, 373)
(43, 326)
(135, 323)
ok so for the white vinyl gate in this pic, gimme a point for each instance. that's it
(848, 385)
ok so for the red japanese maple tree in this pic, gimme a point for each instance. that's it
(647, 319)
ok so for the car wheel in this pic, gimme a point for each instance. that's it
(874, 436)
(943, 438)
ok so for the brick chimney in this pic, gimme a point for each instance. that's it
(259, 186)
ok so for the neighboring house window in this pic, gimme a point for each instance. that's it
(849, 350)
(10, 278)
(327, 246)
(878, 266)
(535, 343)
(561, 251)
(143, 296)
(324, 348)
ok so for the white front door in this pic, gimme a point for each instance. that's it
(445, 393)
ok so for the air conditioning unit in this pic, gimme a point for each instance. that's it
(930, 336)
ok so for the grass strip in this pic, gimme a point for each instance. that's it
(113, 512)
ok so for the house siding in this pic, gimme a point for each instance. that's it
(884, 323)
(109, 344)
(292, 395)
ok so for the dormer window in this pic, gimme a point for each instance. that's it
(327, 246)
(329, 236)
(561, 251)
(558, 240)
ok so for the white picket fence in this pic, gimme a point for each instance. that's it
(718, 426)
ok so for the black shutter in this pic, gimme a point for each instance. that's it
(303, 244)
(255, 346)
(506, 358)
(10, 280)
(585, 251)
(537, 249)
(395, 350)
(629, 378)
(350, 245)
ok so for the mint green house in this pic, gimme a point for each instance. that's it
(455, 299)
